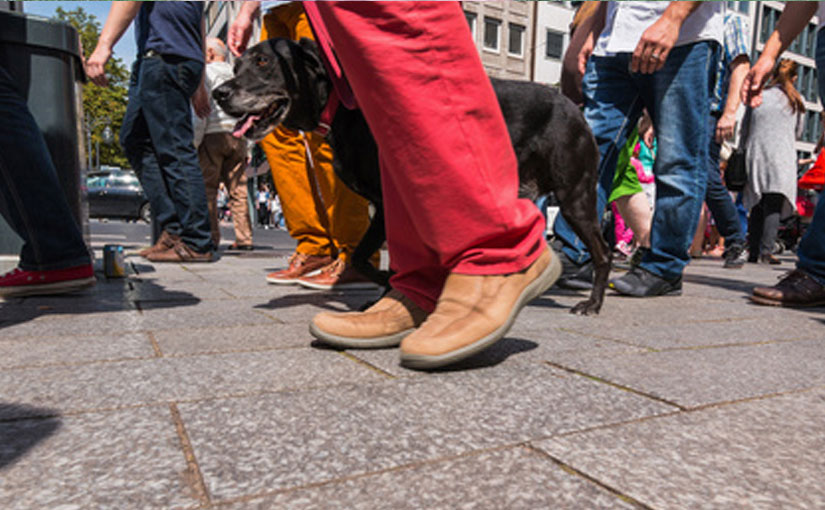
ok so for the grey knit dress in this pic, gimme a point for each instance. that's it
(769, 149)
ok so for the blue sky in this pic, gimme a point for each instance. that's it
(125, 48)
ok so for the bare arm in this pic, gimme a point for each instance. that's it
(580, 48)
(658, 40)
(794, 18)
(727, 122)
(241, 29)
(120, 17)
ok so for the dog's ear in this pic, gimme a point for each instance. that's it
(315, 67)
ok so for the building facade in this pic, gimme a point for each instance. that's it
(552, 30)
(503, 33)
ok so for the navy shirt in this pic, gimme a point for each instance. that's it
(170, 28)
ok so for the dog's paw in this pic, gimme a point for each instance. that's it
(589, 307)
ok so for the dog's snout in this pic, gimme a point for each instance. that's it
(222, 93)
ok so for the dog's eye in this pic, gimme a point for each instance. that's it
(262, 62)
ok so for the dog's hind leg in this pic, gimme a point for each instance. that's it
(578, 207)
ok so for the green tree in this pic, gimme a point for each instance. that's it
(101, 102)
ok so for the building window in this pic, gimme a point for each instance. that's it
(492, 33)
(554, 47)
(472, 20)
(769, 18)
(516, 46)
(742, 7)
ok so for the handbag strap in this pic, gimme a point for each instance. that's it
(746, 128)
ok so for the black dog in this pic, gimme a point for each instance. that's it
(284, 82)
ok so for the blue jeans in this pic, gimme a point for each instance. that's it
(811, 251)
(677, 98)
(157, 138)
(32, 200)
(717, 197)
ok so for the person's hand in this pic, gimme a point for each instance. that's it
(654, 47)
(200, 102)
(96, 63)
(725, 127)
(755, 81)
(239, 34)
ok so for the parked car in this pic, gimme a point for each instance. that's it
(117, 194)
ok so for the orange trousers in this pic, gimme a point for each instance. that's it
(322, 214)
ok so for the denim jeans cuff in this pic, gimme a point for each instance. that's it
(63, 264)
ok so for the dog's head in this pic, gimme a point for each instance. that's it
(278, 81)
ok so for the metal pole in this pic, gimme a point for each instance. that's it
(97, 155)
(89, 143)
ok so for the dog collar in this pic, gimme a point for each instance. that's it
(325, 122)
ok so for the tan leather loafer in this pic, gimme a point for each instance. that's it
(384, 324)
(474, 312)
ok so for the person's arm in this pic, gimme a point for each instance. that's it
(241, 29)
(120, 17)
(200, 99)
(727, 122)
(658, 40)
(579, 50)
(793, 19)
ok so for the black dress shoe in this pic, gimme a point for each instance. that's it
(641, 283)
(767, 258)
(240, 247)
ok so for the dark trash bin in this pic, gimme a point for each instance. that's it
(43, 57)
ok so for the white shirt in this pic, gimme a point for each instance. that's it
(218, 121)
(627, 21)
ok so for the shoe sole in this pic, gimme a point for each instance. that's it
(343, 286)
(535, 289)
(48, 288)
(772, 302)
(293, 281)
(358, 343)
(672, 293)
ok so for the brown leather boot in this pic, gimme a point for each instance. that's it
(165, 241)
(474, 312)
(384, 324)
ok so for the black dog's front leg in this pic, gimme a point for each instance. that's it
(369, 244)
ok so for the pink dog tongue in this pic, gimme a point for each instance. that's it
(245, 125)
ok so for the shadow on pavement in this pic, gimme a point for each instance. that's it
(493, 355)
(325, 300)
(116, 295)
(18, 436)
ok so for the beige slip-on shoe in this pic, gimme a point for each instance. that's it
(384, 324)
(474, 312)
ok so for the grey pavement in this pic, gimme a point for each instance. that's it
(198, 386)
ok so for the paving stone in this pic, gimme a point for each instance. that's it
(43, 351)
(764, 454)
(46, 323)
(215, 339)
(512, 478)
(520, 346)
(232, 312)
(129, 383)
(126, 460)
(703, 376)
(248, 445)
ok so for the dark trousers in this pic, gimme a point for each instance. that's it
(157, 138)
(31, 199)
(717, 197)
(764, 224)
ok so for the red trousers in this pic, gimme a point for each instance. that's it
(449, 174)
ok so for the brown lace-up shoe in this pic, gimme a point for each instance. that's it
(474, 312)
(384, 324)
(795, 289)
(180, 252)
(338, 275)
(165, 242)
(299, 265)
